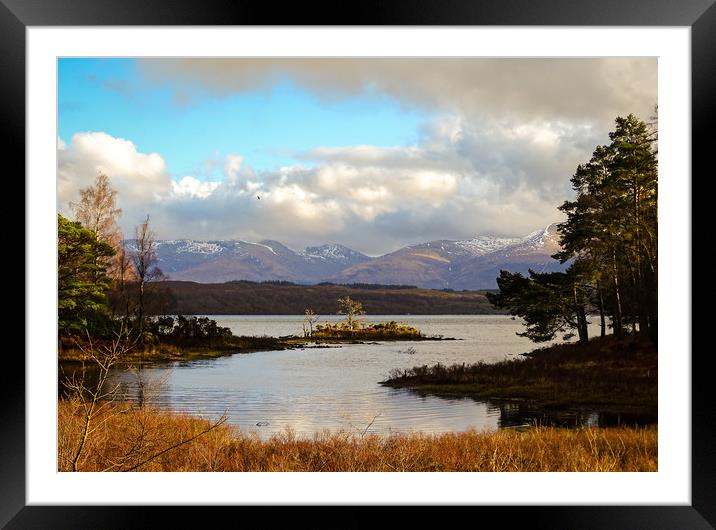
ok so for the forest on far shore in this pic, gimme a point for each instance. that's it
(283, 298)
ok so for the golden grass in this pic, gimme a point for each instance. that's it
(125, 436)
(378, 331)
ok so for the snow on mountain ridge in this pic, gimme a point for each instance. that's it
(330, 251)
(266, 246)
(200, 247)
(477, 246)
(460, 264)
(481, 245)
(540, 238)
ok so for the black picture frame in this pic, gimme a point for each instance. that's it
(699, 15)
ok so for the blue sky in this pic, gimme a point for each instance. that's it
(265, 126)
(372, 153)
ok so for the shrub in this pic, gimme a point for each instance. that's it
(189, 331)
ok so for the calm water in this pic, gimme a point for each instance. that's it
(313, 389)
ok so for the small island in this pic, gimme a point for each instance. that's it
(354, 329)
(339, 331)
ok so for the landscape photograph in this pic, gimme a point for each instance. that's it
(350, 264)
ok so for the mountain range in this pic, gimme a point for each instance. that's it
(461, 265)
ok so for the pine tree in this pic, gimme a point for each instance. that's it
(550, 303)
(611, 225)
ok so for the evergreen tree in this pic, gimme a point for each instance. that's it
(550, 303)
(82, 280)
(611, 225)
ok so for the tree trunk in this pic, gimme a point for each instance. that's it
(582, 321)
(600, 305)
(618, 299)
(140, 310)
(643, 316)
(581, 317)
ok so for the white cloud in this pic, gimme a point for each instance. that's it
(460, 181)
(139, 178)
(503, 182)
(232, 165)
(190, 187)
(90, 153)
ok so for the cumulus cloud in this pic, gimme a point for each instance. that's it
(192, 188)
(139, 178)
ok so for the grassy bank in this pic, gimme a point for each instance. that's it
(608, 373)
(74, 350)
(125, 437)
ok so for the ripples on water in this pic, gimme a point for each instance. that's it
(313, 389)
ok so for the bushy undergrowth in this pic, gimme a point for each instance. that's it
(607, 371)
(189, 331)
(167, 338)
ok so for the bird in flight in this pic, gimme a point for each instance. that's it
(259, 198)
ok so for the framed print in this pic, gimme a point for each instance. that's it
(340, 203)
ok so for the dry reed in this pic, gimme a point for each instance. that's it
(128, 438)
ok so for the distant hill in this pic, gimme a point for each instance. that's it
(471, 264)
(250, 298)
(222, 261)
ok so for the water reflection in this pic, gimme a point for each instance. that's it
(523, 414)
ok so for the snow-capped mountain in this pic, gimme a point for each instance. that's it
(226, 260)
(534, 251)
(462, 264)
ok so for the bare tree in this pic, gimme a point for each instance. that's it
(141, 442)
(97, 210)
(124, 272)
(309, 319)
(145, 261)
(352, 310)
(95, 398)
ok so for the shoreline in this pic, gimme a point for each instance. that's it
(166, 353)
(606, 375)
